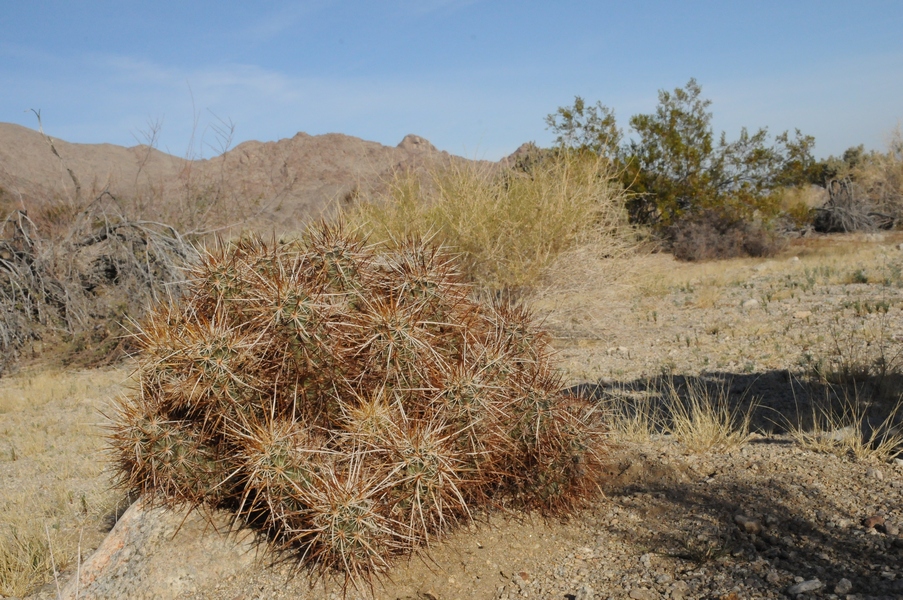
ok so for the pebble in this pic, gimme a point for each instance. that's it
(874, 473)
(873, 521)
(747, 524)
(805, 586)
(751, 303)
(584, 593)
(844, 586)
(643, 594)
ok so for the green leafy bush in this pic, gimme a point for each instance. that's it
(674, 165)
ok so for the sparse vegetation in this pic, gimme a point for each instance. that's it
(348, 395)
(699, 416)
(55, 495)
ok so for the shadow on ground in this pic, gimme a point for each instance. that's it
(778, 400)
(804, 529)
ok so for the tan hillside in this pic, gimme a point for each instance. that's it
(256, 184)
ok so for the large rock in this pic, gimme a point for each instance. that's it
(157, 553)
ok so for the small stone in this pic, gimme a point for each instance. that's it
(584, 593)
(802, 314)
(773, 577)
(751, 303)
(844, 586)
(891, 529)
(805, 586)
(873, 521)
(643, 594)
(874, 473)
(747, 524)
(795, 259)
(662, 579)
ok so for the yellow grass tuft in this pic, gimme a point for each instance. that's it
(509, 226)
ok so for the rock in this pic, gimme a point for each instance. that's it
(747, 524)
(416, 143)
(584, 593)
(873, 522)
(802, 314)
(805, 586)
(643, 594)
(889, 528)
(874, 473)
(795, 259)
(679, 590)
(162, 553)
(844, 586)
(773, 577)
(751, 303)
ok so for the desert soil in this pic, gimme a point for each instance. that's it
(769, 518)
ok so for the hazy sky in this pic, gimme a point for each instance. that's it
(475, 78)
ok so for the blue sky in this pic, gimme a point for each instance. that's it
(475, 78)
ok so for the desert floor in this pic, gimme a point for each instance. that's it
(753, 407)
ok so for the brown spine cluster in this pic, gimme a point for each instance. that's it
(352, 403)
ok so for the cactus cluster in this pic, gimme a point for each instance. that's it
(354, 404)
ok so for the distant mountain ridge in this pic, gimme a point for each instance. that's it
(263, 185)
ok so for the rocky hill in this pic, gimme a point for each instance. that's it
(258, 184)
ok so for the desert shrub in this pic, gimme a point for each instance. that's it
(712, 235)
(866, 188)
(508, 224)
(351, 403)
(76, 286)
(675, 166)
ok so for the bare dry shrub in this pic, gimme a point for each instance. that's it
(868, 194)
(710, 235)
(78, 285)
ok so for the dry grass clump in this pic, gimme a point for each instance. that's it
(352, 404)
(699, 416)
(847, 422)
(508, 225)
(704, 419)
(55, 499)
(710, 235)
